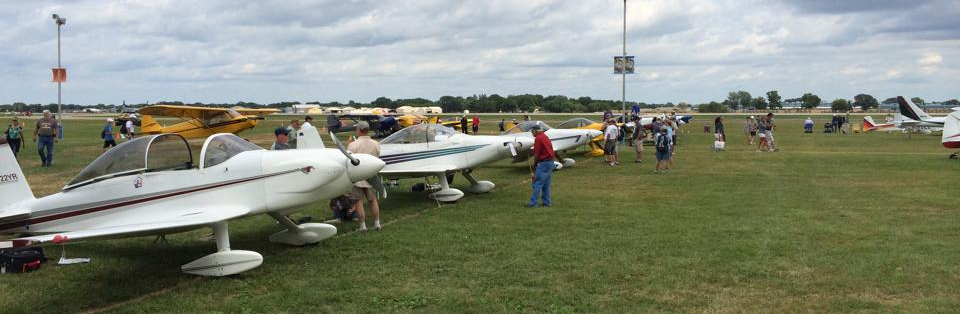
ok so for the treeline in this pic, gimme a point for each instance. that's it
(736, 100)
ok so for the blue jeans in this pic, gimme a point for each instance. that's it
(541, 185)
(45, 142)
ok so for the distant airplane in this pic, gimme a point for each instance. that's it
(913, 112)
(870, 126)
(562, 140)
(201, 122)
(951, 131)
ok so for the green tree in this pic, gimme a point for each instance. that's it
(841, 105)
(917, 101)
(775, 100)
(712, 107)
(737, 99)
(867, 102)
(809, 101)
(952, 102)
(384, 102)
(759, 103)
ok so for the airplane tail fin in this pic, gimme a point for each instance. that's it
(951, 130)
(13, 186)
(149, 125)
(868, 123)
(910, 110)
(308, 137)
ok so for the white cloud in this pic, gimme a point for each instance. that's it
(267, 51)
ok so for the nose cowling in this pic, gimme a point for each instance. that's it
(594, 133)
(369, 166)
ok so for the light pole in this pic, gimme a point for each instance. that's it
(60, 22)
(623, 82)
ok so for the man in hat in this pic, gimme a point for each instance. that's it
(283, 137)
(610, 134)
(543, 156)
(362, 190)
(770, 125)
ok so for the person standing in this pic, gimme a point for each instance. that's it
(476, 124)
(107, 136)
(749, 130)
(610, 134)
(543, 156)
(129, 126)
(662, 143)
(362, 189)
(463, 124)
(502, 125)
(294, 129)
(45, 135)
(637, 138)
(14, 135)
(721, 134)
(282, 139)
(307, 121)
(771, 125)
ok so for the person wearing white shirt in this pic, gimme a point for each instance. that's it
(610, 135)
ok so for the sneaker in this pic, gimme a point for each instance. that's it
(377, 227)
(758, 150)
(362, 229)
(638, 161)
(616, 163)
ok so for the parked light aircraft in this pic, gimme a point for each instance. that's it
(433, 150)
(913, 112)
(201, 122)
(869, 125)
(562, 139)
(151, 186)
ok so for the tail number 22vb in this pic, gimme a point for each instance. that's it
(4, 178)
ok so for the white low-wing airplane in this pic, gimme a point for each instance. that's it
(152, 186)
(917, 117)
(433, 150)
(951, 131)
(562, 139)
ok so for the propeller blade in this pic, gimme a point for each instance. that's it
(353, 160)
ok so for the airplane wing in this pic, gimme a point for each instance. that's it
(257, 112)
(182, 221)
(417, 172)
(183, 112)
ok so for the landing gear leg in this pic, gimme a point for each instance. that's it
(225, 262)
(301, 234)
(476, 187)
(446, 193)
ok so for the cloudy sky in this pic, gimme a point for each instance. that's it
(299, 50)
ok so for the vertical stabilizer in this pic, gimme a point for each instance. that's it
(13, 186)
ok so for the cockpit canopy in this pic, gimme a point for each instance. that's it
(420, 133)
(575, 123)
(525, 126)
(151, 153)
(221, 147)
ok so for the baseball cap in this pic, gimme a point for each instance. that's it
(281, 130)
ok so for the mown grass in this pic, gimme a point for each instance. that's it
(858, 223)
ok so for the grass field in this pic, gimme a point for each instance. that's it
(862, 223)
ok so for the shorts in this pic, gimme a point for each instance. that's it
(610, 147)
(753, 133)
(664, 155)
(638, 145)
(361, 194)
(109, 143)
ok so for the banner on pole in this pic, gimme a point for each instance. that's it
(59, 75)
(623, 65)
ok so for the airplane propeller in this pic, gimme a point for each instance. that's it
(353, 160)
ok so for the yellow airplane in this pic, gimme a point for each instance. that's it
(201, 122)
(596, 145)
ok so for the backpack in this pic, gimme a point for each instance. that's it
(21, 260)
(662, 144)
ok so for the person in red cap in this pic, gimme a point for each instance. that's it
(544, 157)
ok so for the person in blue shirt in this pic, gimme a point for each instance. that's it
(107, 136)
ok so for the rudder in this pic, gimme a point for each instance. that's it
(13, 185)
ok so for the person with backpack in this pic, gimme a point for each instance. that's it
(662, 143)
(106, 134)
(14, 135)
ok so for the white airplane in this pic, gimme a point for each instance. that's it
(152, 186)
(433, 150)
(951, 131)
(869, 125)
(562, 139)
(920, 118)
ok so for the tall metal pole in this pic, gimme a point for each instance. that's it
(623, 81)
(59, 92)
